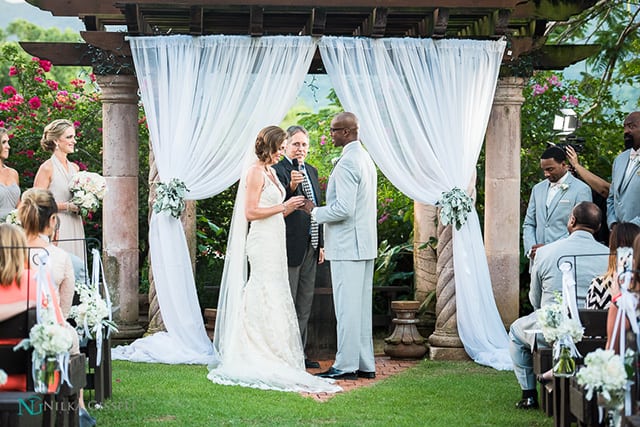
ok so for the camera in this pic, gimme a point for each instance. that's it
(577, 143)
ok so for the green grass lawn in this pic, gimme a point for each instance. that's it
(432, 393)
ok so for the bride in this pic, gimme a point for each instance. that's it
(257, 335)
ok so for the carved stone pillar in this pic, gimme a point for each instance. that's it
(445, 344)
(424, 260)
(502, 196)
(120, 210)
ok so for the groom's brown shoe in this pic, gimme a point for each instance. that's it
(337, 374)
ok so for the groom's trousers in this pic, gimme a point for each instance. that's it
(352, 283)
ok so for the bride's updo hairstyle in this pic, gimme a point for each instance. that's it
(52, 132)
(36, 209)
(269, 141)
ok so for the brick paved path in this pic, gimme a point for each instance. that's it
(385, 367)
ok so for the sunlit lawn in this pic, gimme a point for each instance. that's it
(430, 394)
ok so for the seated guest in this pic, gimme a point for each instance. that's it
(546, 282)
(604, 287)
(634, 287)
(38, 215)
(18, 288)
(18, 291)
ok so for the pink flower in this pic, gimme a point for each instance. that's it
(53, 85)
(35, 103)
(9, 90)
(38, 79)
(92, 77)
(81, 165)
(323, 140)
(1, 123)
(30, 153)
(554, 81)
(539, 90)
(383, 218)
(13, 71)
(573, 101)
(77, 83)
(45, 65)
(76, 124)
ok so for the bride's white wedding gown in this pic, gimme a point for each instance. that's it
(264, 349)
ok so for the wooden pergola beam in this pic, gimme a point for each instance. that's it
(317, 21)
(256, 21)
(108, 7)
(440, 22)
(196, 28)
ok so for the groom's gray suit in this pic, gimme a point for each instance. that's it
(544, 225)
(350, 237)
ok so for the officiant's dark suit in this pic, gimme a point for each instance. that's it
(302, 256)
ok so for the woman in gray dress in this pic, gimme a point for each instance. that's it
(59, 138)
(9, 180)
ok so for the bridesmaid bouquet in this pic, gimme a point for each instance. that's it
(87, 189)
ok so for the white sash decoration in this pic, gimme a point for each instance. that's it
(423, 107)
(569, 292)
(205, 99)
(97, 277)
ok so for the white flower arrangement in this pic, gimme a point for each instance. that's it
(87, 189)
(455, 206)
(3, 377)
(48, 338)
(604, 372)
(12, 218)
(170, 197)
(92, 313)
(555, 324)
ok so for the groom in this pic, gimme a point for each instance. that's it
(350, 233)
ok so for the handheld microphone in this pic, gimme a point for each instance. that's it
(296, 166)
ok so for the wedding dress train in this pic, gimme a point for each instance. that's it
(262, 347)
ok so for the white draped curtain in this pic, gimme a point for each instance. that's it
(423, 107)
(205, 99)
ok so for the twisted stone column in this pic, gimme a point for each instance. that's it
(155, 317)
(502, 196)
(445, 342)
(120, 208)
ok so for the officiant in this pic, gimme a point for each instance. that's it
(304, 237)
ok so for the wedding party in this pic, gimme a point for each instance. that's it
(400, 213)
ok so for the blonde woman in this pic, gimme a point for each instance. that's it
(55, 174)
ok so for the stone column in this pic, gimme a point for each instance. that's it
(445, 343)
(120, 210)
(502, 196)
(424, 260)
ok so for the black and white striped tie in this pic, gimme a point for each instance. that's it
(306, 188)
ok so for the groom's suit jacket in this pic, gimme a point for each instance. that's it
(350, 213)
(545, 225)
(298, 222)
(623, 203)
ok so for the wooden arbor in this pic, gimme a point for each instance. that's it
(107, 22)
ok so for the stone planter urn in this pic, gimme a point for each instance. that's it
(405, 342)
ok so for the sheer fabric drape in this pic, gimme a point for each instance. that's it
(423, 108)
(205, 99)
